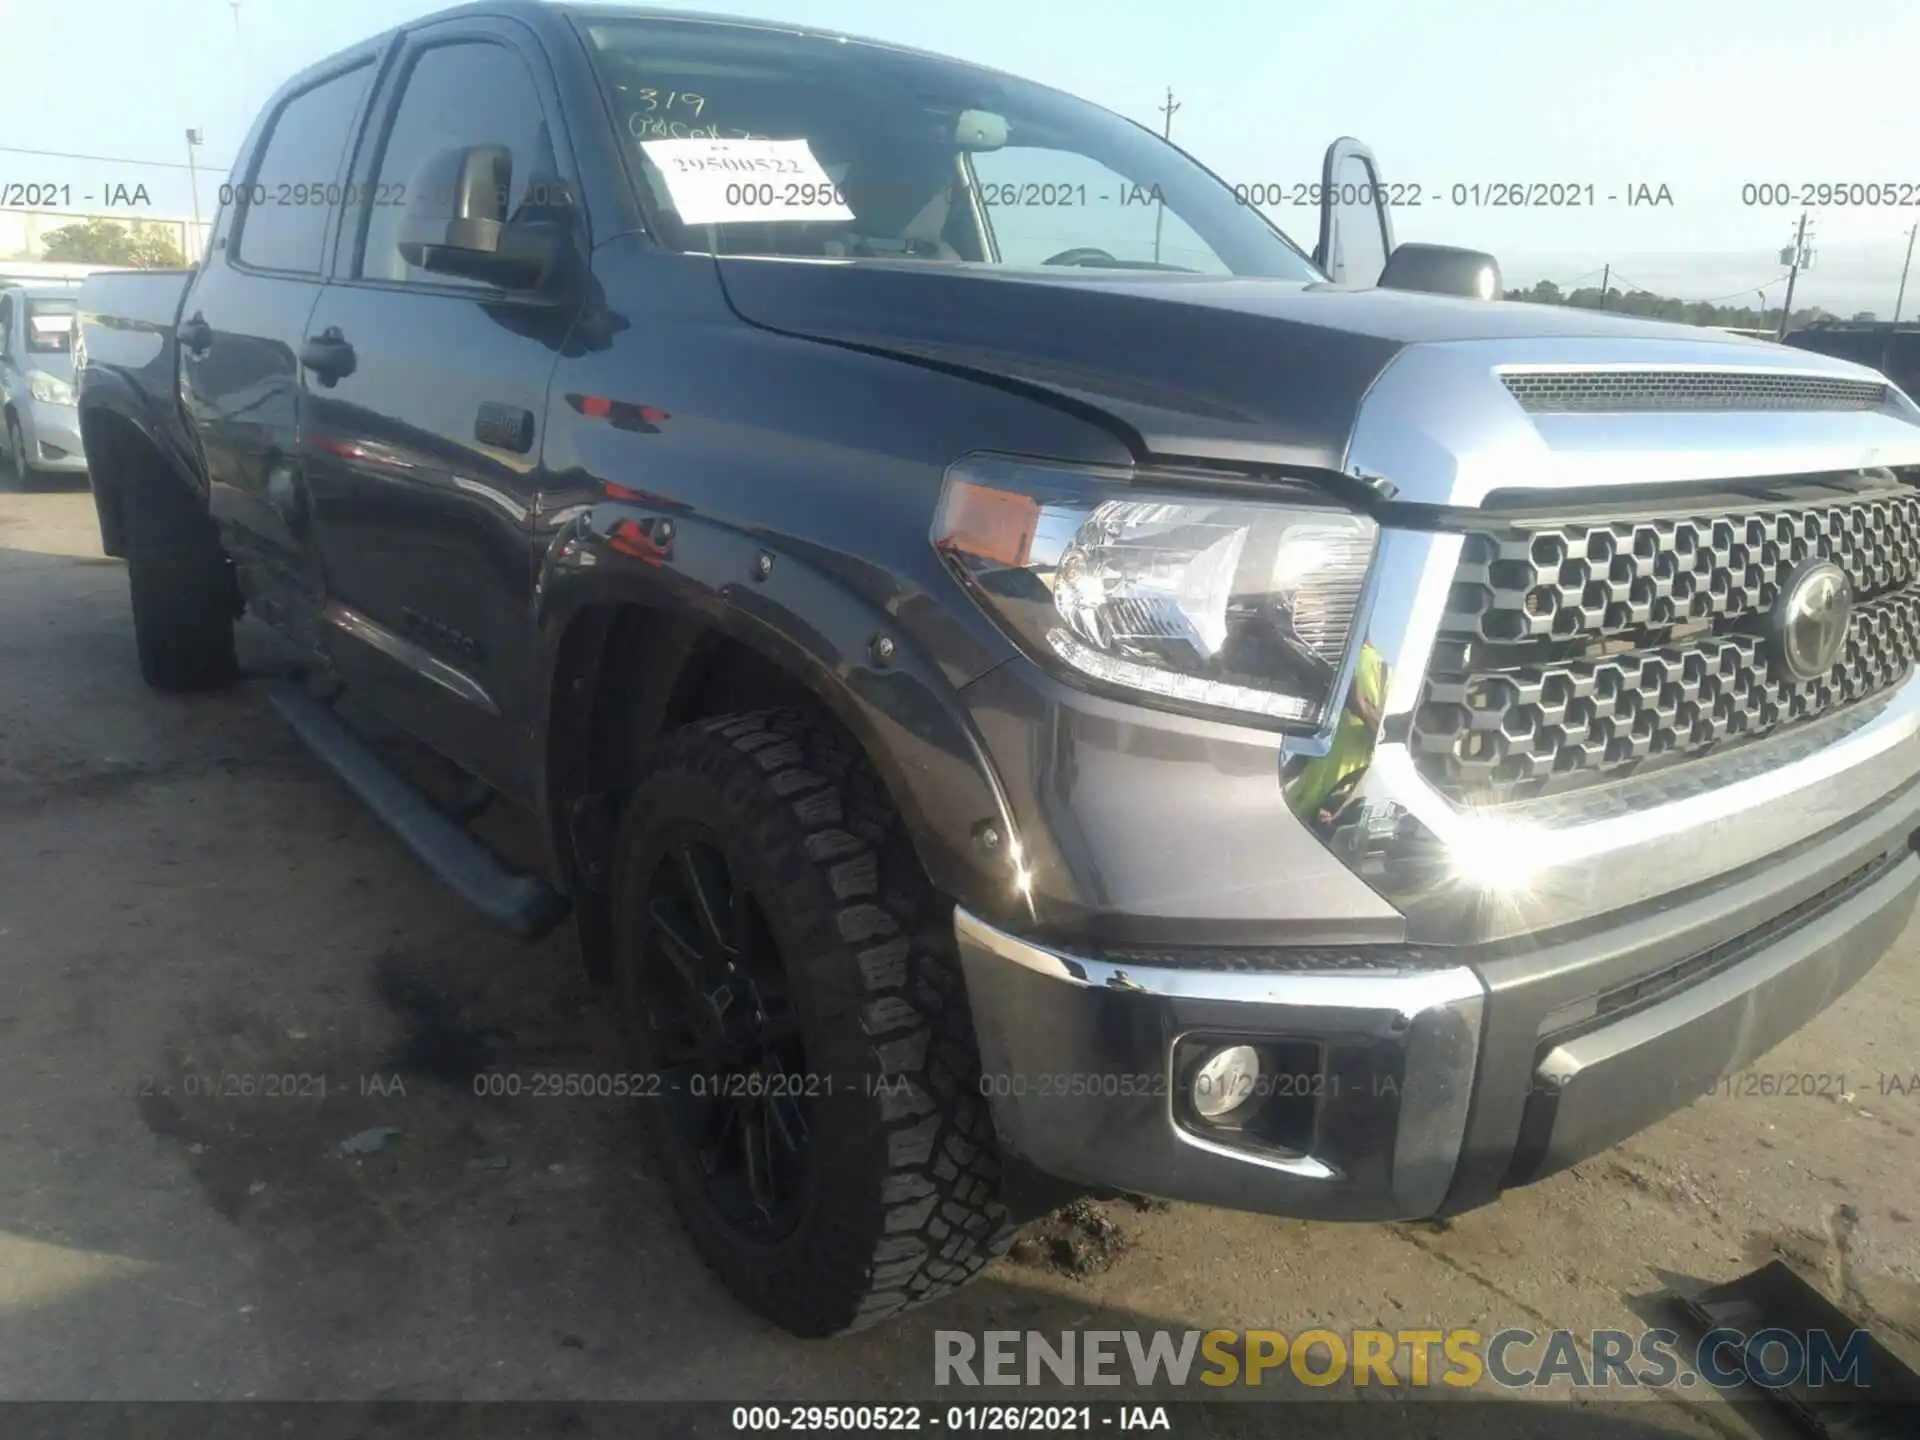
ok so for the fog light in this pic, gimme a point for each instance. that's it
(1225, 1080)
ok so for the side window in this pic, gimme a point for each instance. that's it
(456, 96)
(6, 324)
(1042, 203)
(285, 218)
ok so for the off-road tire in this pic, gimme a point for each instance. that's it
(183, 589)
(17, 463)
(902, 1198)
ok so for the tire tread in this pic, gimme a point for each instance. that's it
(182, 588)
(919, 1212)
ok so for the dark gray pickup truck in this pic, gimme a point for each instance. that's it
(1028, 679)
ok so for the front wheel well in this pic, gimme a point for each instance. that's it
(627, 676)
(656, 676)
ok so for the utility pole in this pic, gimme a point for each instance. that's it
(1901, 294)
(1606, 279)
(1798, 257)
(240, 58)
(198, 247)
(1166, 133)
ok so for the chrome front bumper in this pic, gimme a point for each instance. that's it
(1444, 1076)
(1076, 1058)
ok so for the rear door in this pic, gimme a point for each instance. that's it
(421, 443)
(246, 311)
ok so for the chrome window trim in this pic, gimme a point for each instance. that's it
(1404, 993)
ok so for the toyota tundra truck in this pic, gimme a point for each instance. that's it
(1029, 682)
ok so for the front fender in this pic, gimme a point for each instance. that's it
(859, 661)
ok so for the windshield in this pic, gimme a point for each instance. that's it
(902, 156)
(50, 327)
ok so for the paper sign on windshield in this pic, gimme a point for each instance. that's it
(715, 182)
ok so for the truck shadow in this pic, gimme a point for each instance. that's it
(422, 1199)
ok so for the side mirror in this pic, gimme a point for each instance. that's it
(1443, 270)
(456, 222)
(1356, 231)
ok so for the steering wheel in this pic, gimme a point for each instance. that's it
(1080, 255)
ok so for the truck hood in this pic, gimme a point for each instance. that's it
(1200, 367)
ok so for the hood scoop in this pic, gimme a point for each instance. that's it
(1595, 391)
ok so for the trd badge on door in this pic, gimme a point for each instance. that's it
(505, 427)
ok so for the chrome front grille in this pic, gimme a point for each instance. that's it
(1577, 648)
(1614, 391)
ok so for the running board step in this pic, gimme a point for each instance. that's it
(522, 905)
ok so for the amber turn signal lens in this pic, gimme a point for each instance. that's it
(992, 525)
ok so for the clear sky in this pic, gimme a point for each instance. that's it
(1699, 95)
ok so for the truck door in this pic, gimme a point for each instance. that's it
(424, 387)
(245, 312)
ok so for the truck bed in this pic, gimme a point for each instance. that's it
(127, 319)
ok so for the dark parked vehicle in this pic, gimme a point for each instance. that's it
(1028, 682)
(1893, 350)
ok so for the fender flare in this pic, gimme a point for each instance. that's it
(106, 392)
(815, 628)
(117, 418)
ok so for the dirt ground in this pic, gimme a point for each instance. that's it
(185, 893)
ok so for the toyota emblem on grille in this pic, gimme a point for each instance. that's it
(1809, 621)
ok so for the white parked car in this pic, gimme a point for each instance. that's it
(36, 381)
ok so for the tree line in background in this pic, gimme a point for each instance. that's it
(98, 241)
(1663, 307)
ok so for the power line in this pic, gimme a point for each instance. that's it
(1710, 300)
(1636, 285)
(1736, 294)
(103, 159)
(1566, 285)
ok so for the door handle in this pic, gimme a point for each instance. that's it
(195, 334)
(328, 355)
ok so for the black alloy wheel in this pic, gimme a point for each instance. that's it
(790, 990)
(727, 1039)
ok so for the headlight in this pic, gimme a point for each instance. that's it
(1199, 600)
(49, 388)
